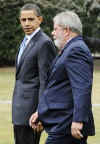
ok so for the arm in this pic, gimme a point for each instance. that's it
(45, 57)
(79, 69)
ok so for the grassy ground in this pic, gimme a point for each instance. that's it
(6, 89)
(6, 83)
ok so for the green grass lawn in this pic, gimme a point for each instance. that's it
(6, 90)
(6, 83)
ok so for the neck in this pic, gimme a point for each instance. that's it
(72, 35)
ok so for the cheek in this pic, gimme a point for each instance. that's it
(34, 24)
(56, 33)
(59, 35)
(22, 23)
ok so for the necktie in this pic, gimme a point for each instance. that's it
(22, 48)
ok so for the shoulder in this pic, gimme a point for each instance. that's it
(44, 36)
(78, 50)
(45, 41)
(78, 46)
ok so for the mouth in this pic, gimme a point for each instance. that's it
(27, 29)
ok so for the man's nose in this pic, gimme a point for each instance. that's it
(52, 32)
(27, 22)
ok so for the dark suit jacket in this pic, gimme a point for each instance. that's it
(67, 97)
(31, 77)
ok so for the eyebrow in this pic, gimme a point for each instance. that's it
(27, 18)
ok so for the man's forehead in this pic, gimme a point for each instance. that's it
(28, 13)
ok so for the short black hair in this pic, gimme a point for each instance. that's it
(31, 6)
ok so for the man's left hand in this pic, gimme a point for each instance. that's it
(76, 128)
(34, 123)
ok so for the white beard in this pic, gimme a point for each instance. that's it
(58, 43)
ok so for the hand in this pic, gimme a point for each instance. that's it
(33, 120)
(34, 123)
(76, 128)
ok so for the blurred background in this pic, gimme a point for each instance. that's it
(11, 35)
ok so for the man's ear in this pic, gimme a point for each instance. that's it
(67, 31)
(40, 19)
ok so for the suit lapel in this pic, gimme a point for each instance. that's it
(16, 64)
(29, 46)
(53, 67)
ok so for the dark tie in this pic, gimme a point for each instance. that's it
(22, 48)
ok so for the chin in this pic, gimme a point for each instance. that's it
(28, 33)
(57, 44)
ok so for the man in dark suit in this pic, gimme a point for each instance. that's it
(33, 61)
(65, 108)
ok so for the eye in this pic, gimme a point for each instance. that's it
(55, 29)
(31, 19)
(23, 19)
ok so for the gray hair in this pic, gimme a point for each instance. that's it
(69, 19)
(31, 6)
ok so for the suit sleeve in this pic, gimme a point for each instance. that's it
(46, 55)
(79, 66)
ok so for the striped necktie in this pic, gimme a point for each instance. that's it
(22, 48)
